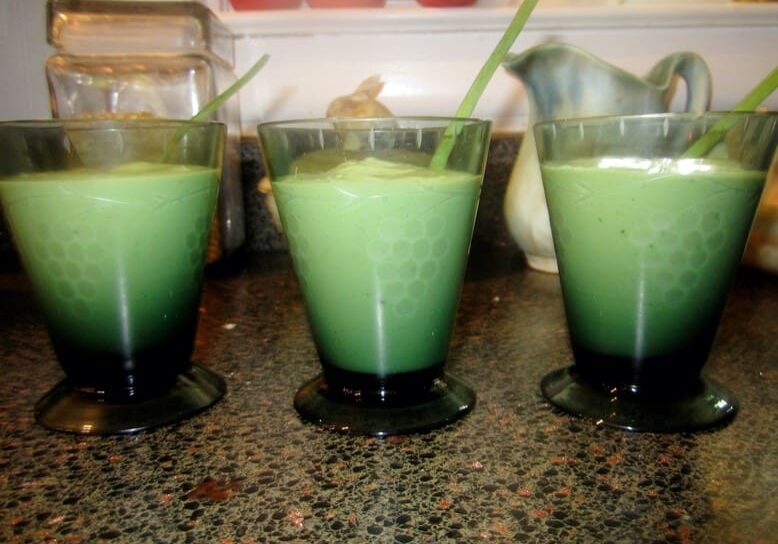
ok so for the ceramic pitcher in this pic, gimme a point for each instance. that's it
(563, 81)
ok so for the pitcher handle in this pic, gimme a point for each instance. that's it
(693, 70)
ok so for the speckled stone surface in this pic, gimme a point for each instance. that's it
(514, 470)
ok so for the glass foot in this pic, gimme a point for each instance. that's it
(709, 406)
(449, 400)
(65, 409)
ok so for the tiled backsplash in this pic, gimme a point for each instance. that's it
(262, 235)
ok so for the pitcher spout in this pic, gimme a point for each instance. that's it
(562, 81)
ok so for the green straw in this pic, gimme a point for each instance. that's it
(758, 95)
(475, 91)
(215, 104)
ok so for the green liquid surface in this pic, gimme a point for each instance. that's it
(647, 248)
(116, 257)
(380, 250)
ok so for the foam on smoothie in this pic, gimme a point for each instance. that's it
(132, 237)
(677, 226)
(380, 250)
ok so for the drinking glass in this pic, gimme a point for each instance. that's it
(379, 238)
(111, 222)
(649, 215)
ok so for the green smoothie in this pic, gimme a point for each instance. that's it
(380, 250)
(116, 256)
(647, 248)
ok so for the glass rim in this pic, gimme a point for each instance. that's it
(662, 116)
(310, 123)
(76, 123)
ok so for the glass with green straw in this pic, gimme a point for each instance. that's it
(650, 215)
(379, 215)
(111, 221)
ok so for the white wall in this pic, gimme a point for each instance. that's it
(429, 57)
(23, 52)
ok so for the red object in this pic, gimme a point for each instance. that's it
(346, 3)
(446, 3)
(245, 5)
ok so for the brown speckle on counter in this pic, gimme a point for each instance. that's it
(215, 490)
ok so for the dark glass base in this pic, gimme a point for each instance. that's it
(447, 400)
(65, 409)
(707, 405)
(128, 373)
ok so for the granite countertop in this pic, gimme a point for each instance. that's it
(514, 470)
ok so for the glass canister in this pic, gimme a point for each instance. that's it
(149, 59)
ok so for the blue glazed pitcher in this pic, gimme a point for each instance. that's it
(563, 81)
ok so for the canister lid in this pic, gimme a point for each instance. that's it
(111, 27)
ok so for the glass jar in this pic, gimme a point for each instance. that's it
(149, 59)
